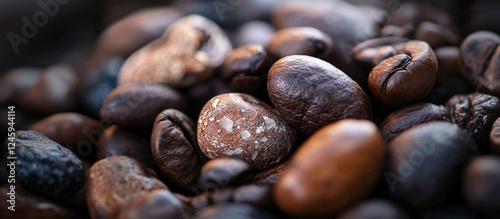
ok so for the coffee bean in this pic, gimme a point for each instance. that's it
(311, 93)
(336, 167)
(175, 149)
(410, 116)
(406, 31)
(116, 181)
(224, 172)
(436, 35)
(232, 211)
(241, 126)
(189, 52)
(58, 173)
(425, 163)
(404, 78)
(374, 209)
(155, 204)
(495, 136)
(16, 83)
(299, 41)
(481, 186)
(135, 106)
(480, 61)
(253, 32)
(271, 176)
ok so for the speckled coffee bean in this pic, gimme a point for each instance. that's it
(136, 106)
(232, 211)
(299, 41)
(374, 209)
(224, 172)
(271, 176)
(336, 167)
(495, 136)
(175, 149)
(187, 53)
(311, 93)
(45, 167)
(116, 181)
(156, 204)
(241, 126)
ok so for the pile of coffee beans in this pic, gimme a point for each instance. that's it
(350, 109)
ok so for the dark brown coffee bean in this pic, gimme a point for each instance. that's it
(16, 83)
(410, 116)
(189, 52)
(232, 211)
(406, 31)
(371, 52)
(299, 41)
(45, 167)
(436, 35)
(258, 195)
(156, 204)
(135, 106)
(77, 132)
(495, 136)
(175, 149)
(480, 53)
(311, 93)
(425, 163)
(224, 172)
(374, 209)
(271, 176)
(241, 126)
(253, 32)
(481, 186)
(337, 166)
(404, 78)
(116, 181)
(476, 113)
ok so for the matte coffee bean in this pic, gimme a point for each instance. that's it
(116, 181)
(410, 116)
(156, 204)
(311, 93)
(58, 173)
(17, 82)
(271, 176)
(495, 136)
(476, 113)
(232, 211)
(299, 41)
(480, 61)
(187, 53)
(175, 149)
(224, 172)
(406, 77)
(425, 163)
(336, 167)
(374, 209)
(253, 32)
(241, 126)
(135, 106)
(481, 186)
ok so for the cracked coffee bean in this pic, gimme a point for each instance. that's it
(224, 172)
(299, 41)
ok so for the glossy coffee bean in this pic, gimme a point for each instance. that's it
(374, 209)
(480, 61)
(116, 181)
(253, 32)
(156, 204)
(481, 186)
(224, 172)
(425, 163)
(135, 106)
(271, 176)
(17, 82)
(476, 113)
(410, 116)
(311, 93)
(495, 136)
(336, 167)
(45, 167)
(241, 126)
(188, 53)
(406, 77)
(373, 51)
(175, 149)
(75, 131)
(232, 211)
(299, 41)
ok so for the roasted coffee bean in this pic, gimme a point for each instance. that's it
(404, 78)
(17, 82)
(271, 176)
(116, 181)
(26, 205)
(425, 163)
(299, 41)
(253, 32)
(374, 209)
(224, 172)
(480, 61)
(245, 68)
(406, 31)
(175, 149)
(241, 126)
(410, 116)
(155, 204)
(481, 186)
(189, 52)
(258, 195)
(311, 93)
(135, 106)
(232, 211)
(75, 131)
(371, 52)
(45, 167)
(476, 113)
(336, 167)
(436, 35)
(495, 136)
